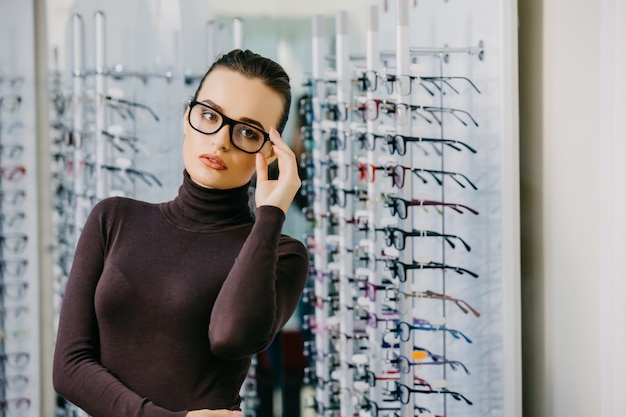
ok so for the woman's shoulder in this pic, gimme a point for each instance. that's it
(117, 205)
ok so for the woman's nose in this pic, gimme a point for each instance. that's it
(221, 138)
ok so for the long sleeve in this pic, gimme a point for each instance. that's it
(261, 291)
(166, 302)
(78, 374)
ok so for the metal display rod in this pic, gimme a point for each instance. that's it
(425, 50)
(99, 60)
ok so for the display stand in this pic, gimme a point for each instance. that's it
(20, 343)
(411, 273)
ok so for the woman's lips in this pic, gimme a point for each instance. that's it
(213, 161)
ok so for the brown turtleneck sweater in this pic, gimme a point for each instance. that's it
(166, 303)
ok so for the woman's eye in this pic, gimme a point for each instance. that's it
(250, 134)
(210, 116)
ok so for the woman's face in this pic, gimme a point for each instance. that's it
(211, 160)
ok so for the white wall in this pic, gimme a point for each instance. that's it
(58, 12)
(613, 193)
(572, 191)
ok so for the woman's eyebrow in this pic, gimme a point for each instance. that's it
(253, 122)
(243, 119)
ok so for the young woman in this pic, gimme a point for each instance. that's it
(166, 303)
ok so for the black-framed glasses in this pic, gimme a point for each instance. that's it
(368, 80)
(403, 83)
(366, 140)
(371, 110)
(147, 177)
(399, 269)
(117, 139)
(453, 112)
(337, 112)
(442, 81)
(398, 175)
(124, 108)
(338, 196)
(399, 206)
(402, 393)
(403, 329)
(396, 237)
(207, 120)
(397, 143)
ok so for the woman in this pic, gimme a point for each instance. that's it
(166, 303)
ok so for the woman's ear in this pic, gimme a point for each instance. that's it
(185, 119)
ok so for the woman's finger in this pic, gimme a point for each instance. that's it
(286, 157)
(261, 167)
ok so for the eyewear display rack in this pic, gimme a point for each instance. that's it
(106, 142)
(19, 238)
(95, 148)
(414, 279)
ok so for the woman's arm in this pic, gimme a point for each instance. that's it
(266, 282)
(77, 373)
(261, 291)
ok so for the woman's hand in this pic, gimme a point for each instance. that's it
(214, 413)
(279, 192)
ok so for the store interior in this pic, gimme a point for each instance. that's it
(509, 275)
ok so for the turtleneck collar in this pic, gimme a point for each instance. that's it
(197, 208)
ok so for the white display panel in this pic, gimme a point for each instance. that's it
(19, 278)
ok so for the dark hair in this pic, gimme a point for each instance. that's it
(253, 65)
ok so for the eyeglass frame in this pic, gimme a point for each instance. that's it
(421, 324)
(392, 201)
(393, 265)
(397, 237)
(226, 121)
(463, 305)
(393, 139)
(402, 393)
